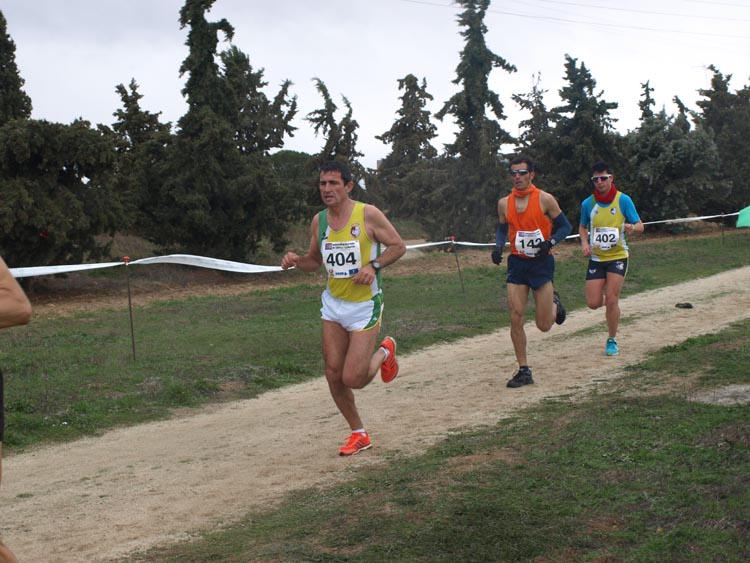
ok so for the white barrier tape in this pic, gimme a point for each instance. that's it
(48, 270)
(240, 267)
(688, 219)
(203, 262)
(426, 244)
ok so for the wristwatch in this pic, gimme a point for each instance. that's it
(375, 264)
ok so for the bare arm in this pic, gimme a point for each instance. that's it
(550, 207)
(583, 233)
(502, 206)
(310, 261)
(380, 229)
(15, 308)
(631, 228)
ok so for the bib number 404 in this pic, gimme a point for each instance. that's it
(339, 259)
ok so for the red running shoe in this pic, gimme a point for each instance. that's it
(356, 443)
(389, 368)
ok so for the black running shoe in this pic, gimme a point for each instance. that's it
(561, 314)
(521, 378)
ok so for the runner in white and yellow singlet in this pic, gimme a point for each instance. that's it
(346, 239)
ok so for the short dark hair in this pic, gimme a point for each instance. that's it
(601, 166)
(337, 166)
(522, 159)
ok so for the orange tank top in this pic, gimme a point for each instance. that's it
(526, 230)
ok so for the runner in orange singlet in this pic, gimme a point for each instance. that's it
(526, 218)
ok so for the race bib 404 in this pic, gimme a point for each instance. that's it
(342, 259)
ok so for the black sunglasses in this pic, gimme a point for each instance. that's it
(518, 172)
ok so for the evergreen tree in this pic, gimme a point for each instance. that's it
(262, 124)
(204, 87)
(14, 103)
(55, 180)
(221, 196)
(464, 202)
(671, 168)
(340, 136)
(55, 187)
(727, 115)
(479, 138)
(537, 137)
(647, 101)
(410, 137)
(584, 134)
(340, 142)
(411, 134)
(141, 142)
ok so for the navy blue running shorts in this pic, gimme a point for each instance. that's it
(599, 270)
(533, 272)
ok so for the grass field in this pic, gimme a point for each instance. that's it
(72, 376)
(636, 473)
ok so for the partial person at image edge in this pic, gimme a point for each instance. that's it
(15, 310)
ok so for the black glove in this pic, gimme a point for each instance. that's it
(543, 249)
(497, 256)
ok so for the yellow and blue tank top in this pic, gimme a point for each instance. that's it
(345, 252)
(606, 225)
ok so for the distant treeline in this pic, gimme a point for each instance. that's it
(218, 182)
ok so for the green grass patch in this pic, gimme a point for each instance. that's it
(75, 376)
(634, 474)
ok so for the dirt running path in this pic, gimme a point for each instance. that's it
(133, 488)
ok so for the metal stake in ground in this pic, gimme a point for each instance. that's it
(458, 265)
(126, 259)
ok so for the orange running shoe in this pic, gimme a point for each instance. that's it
(356, 443)
(389, 368)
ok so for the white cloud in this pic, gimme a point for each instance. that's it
(72, 54)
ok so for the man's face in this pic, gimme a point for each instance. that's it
(333, 190)
(521, 176)
(602, 181)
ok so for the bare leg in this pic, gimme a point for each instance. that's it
(6, 555)
(546, 309)
(350, 364)
(518, 296)
(612, 299)
(595, 293)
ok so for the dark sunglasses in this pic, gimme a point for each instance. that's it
(596, 179)
(518, 172)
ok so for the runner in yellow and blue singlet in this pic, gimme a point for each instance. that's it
(607, 216)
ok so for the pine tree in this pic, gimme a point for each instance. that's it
(463, 203)
(727, 115)
(479, 138)
(220, 196)
(537, 137)
(142, 143)
(411, 152)
(411, 134)
(14, 103)
(671, 168)
(340, 141)
(584, 133)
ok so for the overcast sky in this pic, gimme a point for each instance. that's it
(72, 53)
